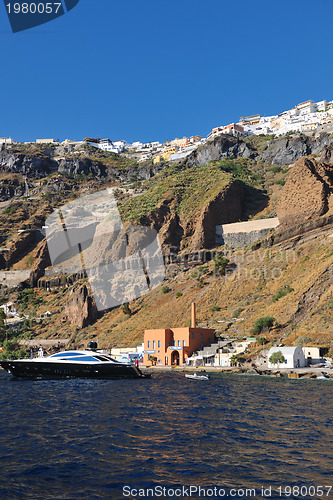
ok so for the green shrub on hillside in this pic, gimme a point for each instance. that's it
(237, 312)
(282, 293)
(220, 264)
(262, 324)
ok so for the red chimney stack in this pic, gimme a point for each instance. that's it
(193, 315)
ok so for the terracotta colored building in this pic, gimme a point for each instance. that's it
(171, 346)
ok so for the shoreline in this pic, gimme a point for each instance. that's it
(291, 373)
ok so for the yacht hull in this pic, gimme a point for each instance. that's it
(44, 369)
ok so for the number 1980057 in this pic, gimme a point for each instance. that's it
(33, 8)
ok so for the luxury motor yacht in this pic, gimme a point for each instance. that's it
(88, 363)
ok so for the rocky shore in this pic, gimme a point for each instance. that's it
(297, 373)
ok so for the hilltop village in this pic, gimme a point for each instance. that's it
(307, 117)
(244, 219)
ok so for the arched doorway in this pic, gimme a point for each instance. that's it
(175, 358)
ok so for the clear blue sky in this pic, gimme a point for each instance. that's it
(156, 70)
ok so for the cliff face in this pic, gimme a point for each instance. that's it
(221, 147)
(197, 231)
(165, 220)
(30, 166)
(78, 166)
(306, 192)
(42, 261)
(11, 187)
(284, 151)
(80, 309)
(279, 151)
(35, 167)
(18, 247)
(225, 208)
(38, 167)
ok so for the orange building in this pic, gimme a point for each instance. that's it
(181, 143)
(171, 346)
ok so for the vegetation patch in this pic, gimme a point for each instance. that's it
(190, 189)
(262, 324)
(282, 293)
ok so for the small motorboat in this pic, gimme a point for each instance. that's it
(88, 363)
(197, 376)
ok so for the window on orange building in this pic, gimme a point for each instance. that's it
(158, 343)
(178, 343)
(154, 344)
(148, 344)
(183, 342)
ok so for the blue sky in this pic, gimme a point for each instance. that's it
(159, 70)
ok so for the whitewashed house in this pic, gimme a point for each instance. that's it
(6, 140)
(313, 355)
(9, 309)
(294, 357)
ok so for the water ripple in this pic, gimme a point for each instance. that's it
(88, 438)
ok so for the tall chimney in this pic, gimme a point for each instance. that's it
(193, 316)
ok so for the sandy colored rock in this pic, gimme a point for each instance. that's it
(305, 194)
(80, 309)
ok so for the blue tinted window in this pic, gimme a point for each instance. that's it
(82, 358)
(69, 353)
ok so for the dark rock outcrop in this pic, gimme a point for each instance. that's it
(327, 155)
(219, 148)
(285, 150)
(11, 187)
(279, 151)
(35, 167)
(30, 166)
(77, 166)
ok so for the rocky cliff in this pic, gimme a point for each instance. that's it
(80, 309)
(277, 151)
(18, 246)
(87, 162)
(11, 186)
(42, 261)
(226, 207)
(34, 167)
(221, 147)
(198, 230)
(285, 150)
(306, 194)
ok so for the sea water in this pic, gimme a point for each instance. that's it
(234, 436)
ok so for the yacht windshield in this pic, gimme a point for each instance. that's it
(82, 356)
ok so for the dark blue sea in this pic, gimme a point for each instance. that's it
(235, 436)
